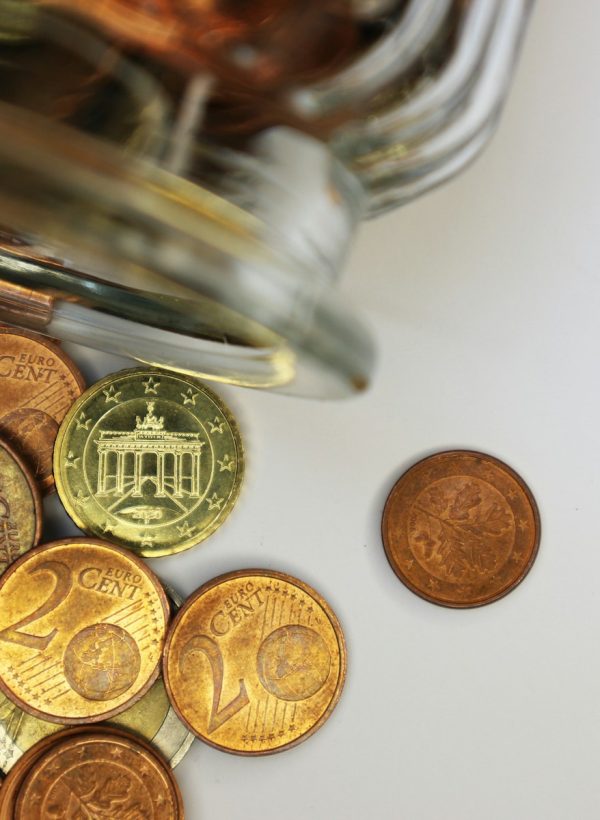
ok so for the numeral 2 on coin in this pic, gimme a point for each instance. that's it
(206, 645)
(62, 587)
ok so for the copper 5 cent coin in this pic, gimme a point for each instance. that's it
(20, 507)
(97, 774)
(82, 626)
(38, 384)
(255, 662)
(461, 529)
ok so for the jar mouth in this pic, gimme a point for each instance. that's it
(179, 274)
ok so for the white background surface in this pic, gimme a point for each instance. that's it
(484, 299)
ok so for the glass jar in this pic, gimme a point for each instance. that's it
(131, 225)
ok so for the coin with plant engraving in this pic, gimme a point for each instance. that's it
(98, 774)
(82, 627)
(20, 507)
(152, 718)
(150, 460)
(461, 529)
(38, 384)
(255, 662)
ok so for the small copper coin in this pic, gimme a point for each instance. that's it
(98, 774)
(82, 626)
(20, 507)
(255, 662)
(461, 529)
(38, 384)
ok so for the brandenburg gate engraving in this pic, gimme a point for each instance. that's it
(129, 459)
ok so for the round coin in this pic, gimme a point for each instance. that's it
(255, 662)
(150, 460)
(152, 717)
(461, 529)
(20, 507)
(98, 774)
(82, 626)
(38, 384)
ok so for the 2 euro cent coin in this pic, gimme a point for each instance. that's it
(255, 662)
(82, 628)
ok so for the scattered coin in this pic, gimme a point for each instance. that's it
(82, 626)
(461, 529)
(152, 717)
(150, 460)
(20, 507)
(255, 662)
(38, 384)
(85, 772)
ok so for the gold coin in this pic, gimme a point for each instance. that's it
(38, 384)
(152, 717)
(82, 626)
(150, 460)
(255, 662)
(20, 507)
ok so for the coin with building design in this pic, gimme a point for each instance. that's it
(82, 627)
(255, 662)
(38, 384)
(150, 460)
(20, 507)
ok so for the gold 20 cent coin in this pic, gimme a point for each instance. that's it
(82, 627)
(461, 529)
(150, 460)
(20, 507)
(255, 662)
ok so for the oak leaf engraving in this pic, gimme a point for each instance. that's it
(93, 795)
(460, 531)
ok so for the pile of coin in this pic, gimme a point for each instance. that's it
(148, 463)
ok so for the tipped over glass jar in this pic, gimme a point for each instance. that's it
(180, 182)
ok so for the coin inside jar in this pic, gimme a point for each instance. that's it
(38, 384)
(150, 460)
(82, 626)
(20, 507)
(461, 529)
(255, 662)
(98, 774)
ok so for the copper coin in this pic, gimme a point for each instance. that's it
(20, 507)
(461, 529)
(82, 626)
(38, 384)
(98, 774)
(16, 777)
(255, 662)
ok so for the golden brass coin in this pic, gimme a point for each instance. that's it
(150, 460)
(461, 529)
(97, 774)
(255, 662)
(20, 507)
(38, 384)
(82, 626)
